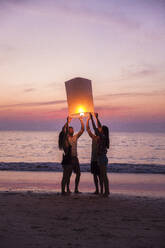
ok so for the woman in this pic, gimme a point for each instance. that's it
(95, 170)
(103, 145)
(66, 162)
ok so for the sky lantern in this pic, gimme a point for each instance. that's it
(79, 97)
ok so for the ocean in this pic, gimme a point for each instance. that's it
(129, 152)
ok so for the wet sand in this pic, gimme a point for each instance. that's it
(30, 219)
(151, 185)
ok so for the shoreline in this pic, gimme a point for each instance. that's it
(51, 220)
(85, 167)
(82, 194)
(122, 183)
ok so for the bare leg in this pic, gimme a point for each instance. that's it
(63, 182)
(68, 181)
(77, 180)
(66, 178)
(105, 180)
(101, 184)
(103, 175)
(106, 183)
(96, 183)
(101, 179)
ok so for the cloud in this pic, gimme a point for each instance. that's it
(113, 108)
(91, 11)
(142, 73)
(114, 111)
(8, 6)
(33, 104)
(49, 114)
(131, 94)
(99, 97)
(14, 2)
(96, 12)
(119, 13)
(53, 85)
(137, 72)
(29, 90)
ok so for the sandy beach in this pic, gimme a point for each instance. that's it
(31, 219)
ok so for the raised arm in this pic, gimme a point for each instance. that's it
(93, 124)
(98, 122)
(82, 127)
(88, 128)
(64, 129)
(66, 126)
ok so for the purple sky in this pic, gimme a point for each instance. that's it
(118, 44)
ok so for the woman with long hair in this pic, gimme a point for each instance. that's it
(103, 146)
(64, 145)
(95, 170)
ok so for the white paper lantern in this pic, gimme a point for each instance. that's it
(79, 96)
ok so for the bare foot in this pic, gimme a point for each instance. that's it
(69, 192)
(63, 193)
(96, 192)
(77, 192)
(106, 194)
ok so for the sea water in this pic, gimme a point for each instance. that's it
(129, 152)
(34, 157)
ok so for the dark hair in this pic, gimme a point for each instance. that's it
(106, 133)
(61, 140)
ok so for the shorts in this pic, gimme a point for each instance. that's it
(66, 159)
(75, 165)
(102, 160)
(95, 168)
(67, 167)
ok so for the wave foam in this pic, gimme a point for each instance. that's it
(116, 167)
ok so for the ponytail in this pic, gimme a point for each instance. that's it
(61, 140)
(106, 133)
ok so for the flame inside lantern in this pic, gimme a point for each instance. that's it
(81, 110)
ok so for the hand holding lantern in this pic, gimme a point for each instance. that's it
(96, 115)
(81, 118)
(69, 119)
(90, 114)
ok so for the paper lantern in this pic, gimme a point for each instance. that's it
(79, 97)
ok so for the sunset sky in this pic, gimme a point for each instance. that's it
(118, 44)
